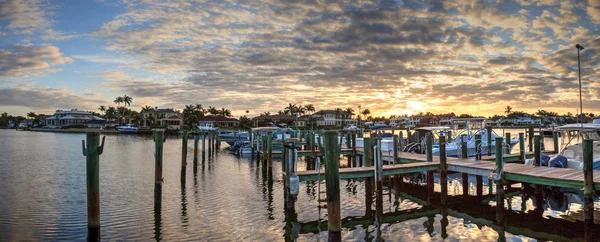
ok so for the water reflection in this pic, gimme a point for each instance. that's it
(157, 212)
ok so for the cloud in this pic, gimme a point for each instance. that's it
(24, 16)
(46, 98)
(30, 60)
(594, 10)
(264, 54)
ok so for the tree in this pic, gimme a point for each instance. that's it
(191, 115)
(225, 112)
(309, 108)
(213, 110)
(127, 100)
(31, 115)
(245, 122)
(118, 101)
(102, 109)
(366, 112)
(291, 109)
(508, 110)
(147, 108)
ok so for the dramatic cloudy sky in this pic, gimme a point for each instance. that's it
(391, 56)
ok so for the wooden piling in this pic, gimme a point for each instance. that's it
(443, 170)
(522, 147)
(449, 136)
(588, 188)
(184, 148)
(499, 182)
(334, 221)
(429, 141)
(270, 145)
(395, 149)
(92, 157)
(478, 179)
(530, 137)
(368, 161)
(537, 152)
(203, 145)
(463, 147)
(196, 139)
(507, 138)
(489, 140)
(555, 142)
(465, 185)
(478, 148)
(159, 139)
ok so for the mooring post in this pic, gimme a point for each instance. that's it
(354, 154)
(264, 150)
(368, 162)
(464, 152)
(530, 137)
(489, 140)
(537, 152)
(196, 139)
(443, 170)
(409, 136)
(522, 147)
(555, 142)
(92, 165)
(499, 179)
(507, 143)
(184, 148)
(159, 139)
(449, 135)
(334, 221)
(270, 144)
(429, 141)
(395, 149)
(400, 142)
(203, 145)
(378, 161)
(478, 148)
(588, 188)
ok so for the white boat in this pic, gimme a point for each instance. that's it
(571, 154)
(454, 147)
(208, 127)
(129, 128)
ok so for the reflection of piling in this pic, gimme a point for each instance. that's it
(499, 179)
(203, 145)
(443, 170)
(588, 188)
(157, 212)
(92, 156)
(334, 220)
(270, 144)
(537, 161)
(159, 139)
(196, 150)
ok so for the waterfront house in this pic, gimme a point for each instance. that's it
(72, 119)
(399, 121)
(162, 117)
(264, 120)
(218, 121)
(333, 118)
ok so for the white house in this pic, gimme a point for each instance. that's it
(333, 118)
(74, 118)
(166, 117)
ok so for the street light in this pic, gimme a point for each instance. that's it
(579, 48)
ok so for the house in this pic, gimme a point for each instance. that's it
(165, 117)
(218, 121)
(334, 118)
(399, 121)
(264, 120)
(73, 118)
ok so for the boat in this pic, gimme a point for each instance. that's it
(231, 137)
(454, 147)
(128, 128)
(571, 154)
(207, 127)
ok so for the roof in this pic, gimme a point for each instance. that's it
(161, 110)
(174, 116)
(76, 117)
(432, 128)
(217, 118)
(265, 128)
(275, 117)
(72, 111)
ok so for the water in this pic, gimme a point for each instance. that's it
(228, 199)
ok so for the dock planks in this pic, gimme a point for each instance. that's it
(560, 177)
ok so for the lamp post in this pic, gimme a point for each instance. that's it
(579, 48)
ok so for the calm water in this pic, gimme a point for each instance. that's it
(228, 199)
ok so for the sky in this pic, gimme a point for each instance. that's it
(390, 56)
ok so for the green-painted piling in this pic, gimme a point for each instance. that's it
(449, 135)
(395, 149)
(184, 148)
(522, 147)
(429, 141)
(443, 170)
(270, 145)
(507, 139)
(555, 141)
(92, 157)
(464, 152)
(159, 139)
(489, 140)
(530, 137)
(588, 187)
(499, 182)
(537, 152)
(478, 148)
(334, 221)
(196, 139)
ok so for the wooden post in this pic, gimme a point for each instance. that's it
(429, 141)
(443, 170)
(522, 147)
(530, 137)
(465, 185)
(463, 147)
(203, 145)
(92, 165)
(489, 140)
(479, 186)
(400, 138)
(449, 135)
(537, 152)
(378, 161)
(368, 161)
(555, 142)
(507, 143)
(196, 139)
(588, 188)
(159, 139)
(499, 182)
(353, 144)
(395, 149)
(334, 221)
(478, 148)
(184, 148)
(270, 144)
(409, 136)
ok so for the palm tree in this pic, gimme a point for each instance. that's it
(508, 110)
(31, 115)
(147, 108)
(127, 100)
(247, 111)
(118, 100)
(226, 112)
(291, 108)
(102, 109)
(366, 112)
(213, 110)
(309, 108)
